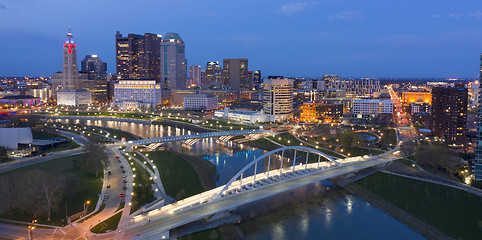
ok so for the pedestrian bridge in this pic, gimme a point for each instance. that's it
(190, 139)
(277, 171)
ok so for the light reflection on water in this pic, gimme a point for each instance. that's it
(335, 215)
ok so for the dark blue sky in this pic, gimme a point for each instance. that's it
(371, 38)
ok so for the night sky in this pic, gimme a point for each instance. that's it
(372, 38)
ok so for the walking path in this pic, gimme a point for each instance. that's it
(309, 144)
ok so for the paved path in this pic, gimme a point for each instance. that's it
(156, 177)
(309, 144)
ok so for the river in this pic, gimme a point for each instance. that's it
(323, 212)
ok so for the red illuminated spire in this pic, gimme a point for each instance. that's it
(69, 41)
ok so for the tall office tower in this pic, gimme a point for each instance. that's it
(195, 75)
(478, 149)
(138, 56)
(257, 80)
(213, 73)
(278, 98)
(173, 62)
(449, 114)
(94, 67)
(68, 79)
(235, 73)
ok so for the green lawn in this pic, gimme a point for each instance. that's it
(355, 151)
(289, 140)
(452, 211)
(143, 193)
(389, 137)
(89, 189)
(179, 178)
(109, 224)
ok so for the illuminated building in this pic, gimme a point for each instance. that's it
(419, 107)
(93, 77)
(20, 101)
(417, 97)
(94, 67)
(68, 79)
(321, 112)
(195, 75)
(138, 56)
(199, 102)
(278, 98)
(242, 116)
(478, 149)
(74, 97)
(328, 80)
(449, 114)
(363, 108)
(257, 80)
(213, 74)
(365, 87)
(137, 94)
(173, 62)
(235, 73)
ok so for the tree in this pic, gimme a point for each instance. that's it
(408, 148)
(3, 154)
(50, 189)
(349, 138)
(96, 155)
(29, 199)
(9, 189)
(72, 182)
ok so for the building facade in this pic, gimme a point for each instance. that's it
(194, 75)
(137, 94)
(214, 74)
(449, 114)
(74, 97)
(138, 56)
(278, 98)
(235, 73)
(68, 79)
(198, 102)
(173, 62)
(417, 97)
(478, 149)
(94, 67)
(321, 112)
(364, 108)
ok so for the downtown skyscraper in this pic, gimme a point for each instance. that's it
(173, 62)
(138, 56)
(68, 79)
(478, 149)
(235, 73)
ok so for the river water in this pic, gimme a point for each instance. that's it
(324, 212)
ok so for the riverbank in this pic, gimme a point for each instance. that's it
(453, 212)
(398, 214)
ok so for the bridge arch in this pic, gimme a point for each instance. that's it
(268, 154)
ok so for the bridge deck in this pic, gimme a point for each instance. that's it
(194, 136)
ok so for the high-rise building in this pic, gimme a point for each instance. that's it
(94, 67)
(327, 80)
(173, 62)
(68, 79)
(213, 73)
(449, 114)
(257, 80)
(195, 75)
(138, 56)
(278, 98)
(478, 149)
(235, 73)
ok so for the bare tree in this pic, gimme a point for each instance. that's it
(9, 189)
(408, 148)
(29, 199)
(96, 155)
(50, 189)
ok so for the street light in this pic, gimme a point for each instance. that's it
(86, 204)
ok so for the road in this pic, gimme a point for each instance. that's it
(160, 223)
(22, 162)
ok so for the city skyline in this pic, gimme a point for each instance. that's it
(349, 38)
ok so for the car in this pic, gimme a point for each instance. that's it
(123, 171)
(109, 172)
(108, 186)
(122, 166)
(125, 181)
(124, 188)
(124, 176)
(117, 157)
(106, 196)
(122, 195)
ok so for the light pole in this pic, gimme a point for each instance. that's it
(30, 229)
(86, 204)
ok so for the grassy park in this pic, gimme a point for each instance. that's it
(455, 212)
(83, 186)
(107, 225)
(179, 178)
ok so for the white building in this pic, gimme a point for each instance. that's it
(278, 98)
(134, 94)
(74, 97)
(15, 136)
(200, 102)
(242, 116)
(365, 107)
